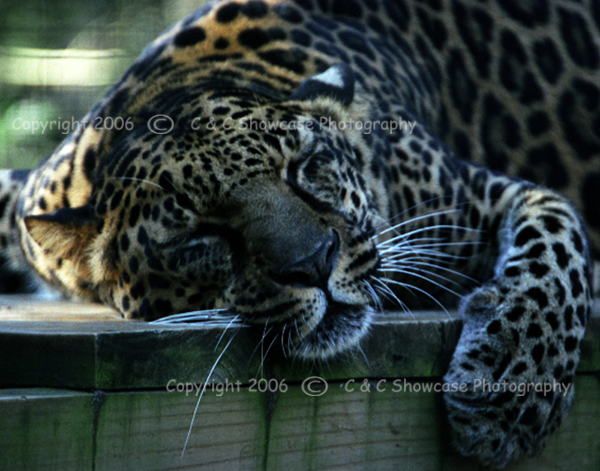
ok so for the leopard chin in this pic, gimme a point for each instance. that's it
(341, 328)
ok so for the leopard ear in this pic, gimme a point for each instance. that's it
(336, 83)
(66, 232)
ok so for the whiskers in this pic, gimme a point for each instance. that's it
(209, 318)
(204, 388)
(422, 257)
(220, 318)
(373, 294)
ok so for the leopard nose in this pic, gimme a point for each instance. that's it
(313, 270)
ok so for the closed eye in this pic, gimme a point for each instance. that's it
(223, 232)
(206, 248)
(199, 235)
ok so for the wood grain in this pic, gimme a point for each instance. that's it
(93, 394)
(58, 429)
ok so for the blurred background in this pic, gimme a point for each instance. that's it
(58, 58)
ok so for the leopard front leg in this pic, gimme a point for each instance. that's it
(519, 348)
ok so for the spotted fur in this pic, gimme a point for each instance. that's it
(310, 226)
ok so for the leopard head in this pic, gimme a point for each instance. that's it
(266, 208)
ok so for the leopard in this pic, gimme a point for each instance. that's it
(305, 164)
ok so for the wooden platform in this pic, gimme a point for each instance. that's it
(111, 395)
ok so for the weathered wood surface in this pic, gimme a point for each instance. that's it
(110, 408)
(137, 355)
(66, 430)
(28, 309)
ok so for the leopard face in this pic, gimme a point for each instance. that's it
(277, 228)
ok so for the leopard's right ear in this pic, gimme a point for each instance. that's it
(66, 232)
(336, 83)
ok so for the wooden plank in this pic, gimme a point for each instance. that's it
(137, 355)
(127, 355)
(30, 309)
(229, 431)
(349, 427)
(144, 426)
(134, 355)
(245, 429)
(46, 429)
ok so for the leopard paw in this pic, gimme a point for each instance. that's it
(512, 372)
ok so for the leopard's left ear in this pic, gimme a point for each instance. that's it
(66, 232)
(336, 83)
